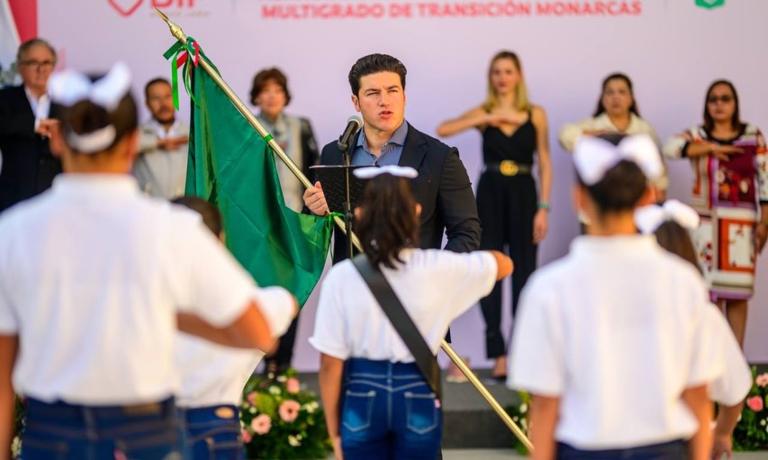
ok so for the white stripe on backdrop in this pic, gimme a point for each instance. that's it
(672, 49)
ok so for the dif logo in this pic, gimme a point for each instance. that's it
(127, 7)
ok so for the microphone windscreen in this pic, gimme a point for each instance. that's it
(356, 119)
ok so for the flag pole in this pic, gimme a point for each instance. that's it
(179, 34)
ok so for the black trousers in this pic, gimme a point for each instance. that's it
(506, 206)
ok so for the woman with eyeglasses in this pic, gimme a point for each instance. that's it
(730, 193)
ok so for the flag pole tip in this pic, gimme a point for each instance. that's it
(175, 29)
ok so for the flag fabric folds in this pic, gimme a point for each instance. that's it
(232, 166)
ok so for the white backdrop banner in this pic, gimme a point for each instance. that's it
(672, 49)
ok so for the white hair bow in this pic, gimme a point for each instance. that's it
(593, 156)
(649, 218)
(70, 87)
(398, 171)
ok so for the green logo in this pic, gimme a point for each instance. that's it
(710, 4)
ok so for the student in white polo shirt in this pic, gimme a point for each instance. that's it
(671, 224)
(93, 277)
(612, 340)
(212, 377)
(382, 407)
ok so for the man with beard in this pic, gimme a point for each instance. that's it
(161, 167)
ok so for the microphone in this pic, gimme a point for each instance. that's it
(354, 123)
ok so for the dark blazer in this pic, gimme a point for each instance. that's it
(442, 188)
(28, 166)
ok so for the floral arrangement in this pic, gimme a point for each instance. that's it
(18, 427)
(281, 420)
(519, 414)
(751, 433)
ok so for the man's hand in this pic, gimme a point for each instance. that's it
(46, 126)
(314, 199)
(56, 139)
(172, 143)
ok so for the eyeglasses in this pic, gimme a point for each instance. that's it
(724, 99)
(45, 65)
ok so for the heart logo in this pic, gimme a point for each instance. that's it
(126, 7)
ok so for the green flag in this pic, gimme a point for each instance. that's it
(231, 166)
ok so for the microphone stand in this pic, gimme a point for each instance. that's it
(347, 153)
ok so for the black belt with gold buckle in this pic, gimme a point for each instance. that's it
(509, 168)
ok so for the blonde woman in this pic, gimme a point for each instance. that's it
(512, 213)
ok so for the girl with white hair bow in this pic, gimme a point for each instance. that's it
(95, 277)
(617, 316)
(672, 224)
(378, 404)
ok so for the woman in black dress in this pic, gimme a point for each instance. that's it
(513, 215)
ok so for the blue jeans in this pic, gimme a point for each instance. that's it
(211, 433)
(61, 431)
(388, 412)
(673, 450)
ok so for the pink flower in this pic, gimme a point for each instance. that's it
(251, 397)
(762, 380)
(289, 410)
(246, 435)
(261, 424)
(755, 403)
(292, 385)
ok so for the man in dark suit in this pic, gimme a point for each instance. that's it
(442, 188)
(26, 115)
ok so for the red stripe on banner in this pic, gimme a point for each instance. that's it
(25, 15)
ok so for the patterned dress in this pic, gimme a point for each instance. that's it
(727, 195)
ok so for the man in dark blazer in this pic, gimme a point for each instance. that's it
(443, 188)
(26, 114)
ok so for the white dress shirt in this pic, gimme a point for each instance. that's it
(91, 276)
(41, 106)
(434, 286)
(617, 330)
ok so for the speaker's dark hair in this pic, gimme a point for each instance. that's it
(374, 63)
